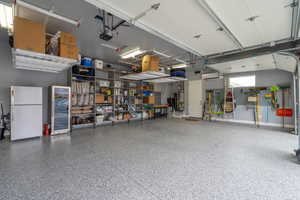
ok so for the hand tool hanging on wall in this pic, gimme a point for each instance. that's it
(274, 101)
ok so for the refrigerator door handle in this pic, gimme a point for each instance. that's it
(12, 113)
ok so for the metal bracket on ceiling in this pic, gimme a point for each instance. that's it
(252, 19)
(144, 13)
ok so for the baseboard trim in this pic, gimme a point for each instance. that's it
(252, 122)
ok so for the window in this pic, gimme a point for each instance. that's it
(6, 16)
(242, 81)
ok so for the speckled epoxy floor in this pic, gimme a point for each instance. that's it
(164, 159)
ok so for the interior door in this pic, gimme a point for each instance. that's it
(195, 100)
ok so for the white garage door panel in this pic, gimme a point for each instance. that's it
(233, 15)
(273, 23)
(185, 25)
(179, 20)
(264, 62)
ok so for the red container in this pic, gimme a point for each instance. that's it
(284, 112)
(46, 130)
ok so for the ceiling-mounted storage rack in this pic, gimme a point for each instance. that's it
(29, 60)
(23, 59)
(144, 76)
(52, 20)
(165, 60)
(167, 80)
(153, 77)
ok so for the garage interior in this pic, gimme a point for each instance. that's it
(108, 99)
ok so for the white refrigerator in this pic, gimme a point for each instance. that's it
(26, 112)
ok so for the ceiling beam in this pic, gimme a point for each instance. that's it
(284, 45)
(214, 16)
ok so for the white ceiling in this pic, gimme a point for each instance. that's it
(258, 63)
(180, 21)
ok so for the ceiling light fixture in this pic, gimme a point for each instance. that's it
(179, 66)
(131, 53)
(161, 54)
(179, 60)
(6, 18)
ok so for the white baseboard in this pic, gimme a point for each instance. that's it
(252, 122)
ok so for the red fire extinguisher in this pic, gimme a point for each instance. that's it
(46, 130)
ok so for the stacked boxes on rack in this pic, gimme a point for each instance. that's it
(150, 63)
(149, 97)
(62, 44)
(104, 97)
(29, 35)
(104, 92)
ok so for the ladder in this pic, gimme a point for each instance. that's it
(229, 102)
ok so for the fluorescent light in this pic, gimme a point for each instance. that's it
(179, 66)
(179, 60)
(6, 19)
(132, 53)
(161, 54)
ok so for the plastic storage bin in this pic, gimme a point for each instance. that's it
(86, 62)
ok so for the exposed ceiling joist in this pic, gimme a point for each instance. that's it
(220, 23)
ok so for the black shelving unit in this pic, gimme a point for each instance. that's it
(89, 79)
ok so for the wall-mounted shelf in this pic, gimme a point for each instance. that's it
(29, 60)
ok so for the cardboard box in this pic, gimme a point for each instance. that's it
(154, 64)
(150, 63)
(252, 99)
(68, 51)
(29, 35)
(110, 99)
(137, 101)
(99, 98)
(146, 63)
(68, 46)
(149, 100)
(68, 38)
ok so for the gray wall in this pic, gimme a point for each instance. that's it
(263, 79)
(10, 76)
